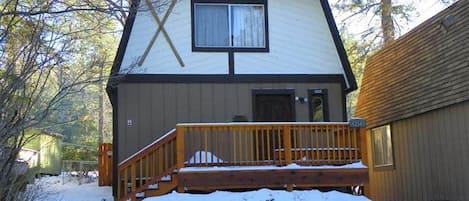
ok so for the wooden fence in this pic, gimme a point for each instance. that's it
(105, 164)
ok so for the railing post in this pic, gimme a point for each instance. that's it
(287, 144)
(180, 147)
(133, 179)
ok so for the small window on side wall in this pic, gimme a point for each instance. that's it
(382, 147)
(318, 107)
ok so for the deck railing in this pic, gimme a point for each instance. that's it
(252, 144)
(239, 144)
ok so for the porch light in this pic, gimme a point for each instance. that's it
(301, 99)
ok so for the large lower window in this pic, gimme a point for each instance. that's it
(382, 146)
(229, 25)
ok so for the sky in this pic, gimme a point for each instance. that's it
(424, 9)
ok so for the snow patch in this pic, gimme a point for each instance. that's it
(204, 157)
(262, 194)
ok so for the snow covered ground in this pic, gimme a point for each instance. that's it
(68, 188)
(262, 195)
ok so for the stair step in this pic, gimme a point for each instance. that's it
(153, 187)
(140, 195)
(166, 178)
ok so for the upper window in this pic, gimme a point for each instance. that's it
(382, 146)
(219, 25)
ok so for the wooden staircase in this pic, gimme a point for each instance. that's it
(149, 172)
(156, 169)
(163, 186)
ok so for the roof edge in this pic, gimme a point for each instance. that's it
(340, 47)
(122, 47)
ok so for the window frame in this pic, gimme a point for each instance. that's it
(321, 93)
(229, 48)
(387, 166)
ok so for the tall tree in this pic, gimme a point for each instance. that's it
(387, 23)
(382, 18)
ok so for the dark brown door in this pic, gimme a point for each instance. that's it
(273, 108)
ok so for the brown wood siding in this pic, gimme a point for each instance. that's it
(156, 108)
(431, 153)
(425, 69)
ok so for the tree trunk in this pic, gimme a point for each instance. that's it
(387, 23)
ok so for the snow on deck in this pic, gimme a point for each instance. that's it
(292, 166)
(262, 195)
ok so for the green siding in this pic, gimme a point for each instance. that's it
(49, 147)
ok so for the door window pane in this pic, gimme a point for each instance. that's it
(317, 107)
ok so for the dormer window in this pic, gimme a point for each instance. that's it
(227, 26)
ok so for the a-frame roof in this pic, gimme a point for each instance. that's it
(426, 69)
(350, 78)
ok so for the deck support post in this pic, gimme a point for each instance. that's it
(289, 187)
(364, 157)
(180, 189)
(363, 148)
(287, 144)
(180, 147)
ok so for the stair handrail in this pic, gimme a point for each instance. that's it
(147, 165)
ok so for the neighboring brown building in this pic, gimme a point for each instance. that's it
(415, 98)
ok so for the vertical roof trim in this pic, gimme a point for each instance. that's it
(352, 83)
(122, 47)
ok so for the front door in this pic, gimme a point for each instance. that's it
(272, 106)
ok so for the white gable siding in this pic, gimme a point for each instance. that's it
(300, 42)
(299, 39)
(161, 59)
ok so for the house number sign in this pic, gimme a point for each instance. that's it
(357, 123)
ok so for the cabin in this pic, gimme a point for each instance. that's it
(42, 152)
(415, 98)
(254, 87)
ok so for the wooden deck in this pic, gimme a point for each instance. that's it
(276, 179)
(275, 145)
